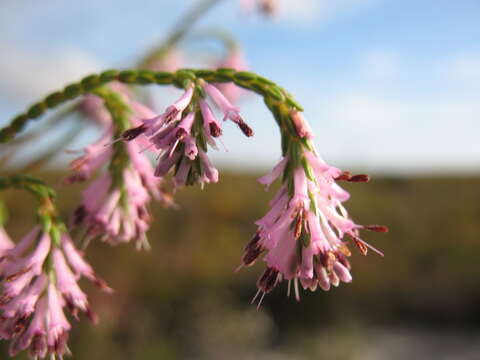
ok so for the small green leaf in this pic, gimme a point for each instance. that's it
(108, 75)
(54, 99)
(72, 91)
(245, 76)
(36, 110)
(128, 76)
(90, 82)
(163, 78)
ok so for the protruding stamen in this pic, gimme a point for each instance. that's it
(360, 178)
(344, 176)
(247, 130)
(376, 228)
(133, 133)
(215, 130)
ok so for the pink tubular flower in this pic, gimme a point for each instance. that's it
(35, 293)
(181, 139)
(302, 234)
(302, 127)
(229, 111)
(95, 156)
(117, 215)
(115, 206)
(234, 60)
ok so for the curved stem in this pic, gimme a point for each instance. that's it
(182, 27)
(44, 194)
(279, 101)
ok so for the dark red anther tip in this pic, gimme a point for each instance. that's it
(344, 176)
(131, 134)
(247, 130)
(215, 130)
(377, 228)
(360, 178)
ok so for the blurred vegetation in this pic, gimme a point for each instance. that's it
(183, 300)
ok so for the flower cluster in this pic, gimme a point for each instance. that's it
(182, 132)
(114, 207)
(302, 236)
(40, 275)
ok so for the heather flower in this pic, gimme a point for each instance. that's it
(182, 132)
(118, 214)
(229, 111)
(36, 292)
(94, 157)
(302, 236)
(234, 60)
(301, 126)
(114, 207)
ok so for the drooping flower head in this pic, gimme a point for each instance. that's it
(302, 237)
(181, 134)
(40, 280)
(115, 206)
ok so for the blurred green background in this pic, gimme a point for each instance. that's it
(183, 300)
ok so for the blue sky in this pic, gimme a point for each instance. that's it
(388, 86)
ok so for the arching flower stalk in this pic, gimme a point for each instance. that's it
(302, 237)
(182, 132)
(114, 207)
(40, 281)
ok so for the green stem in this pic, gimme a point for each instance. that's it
(24, 182)
(279, 101)
(47, 211)
(182, 27)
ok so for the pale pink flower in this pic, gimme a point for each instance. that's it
(57, 324)
(302, 127)
(113, 215)
(229, 111)
(33, 314)
(179, 143)
(211, 126)
(116, 210)
(302, 236)
(95, 157)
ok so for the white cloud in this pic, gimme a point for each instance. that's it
(30, 74)
(374, 131)
(301, 11)
(380, 63)
(463, 67)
